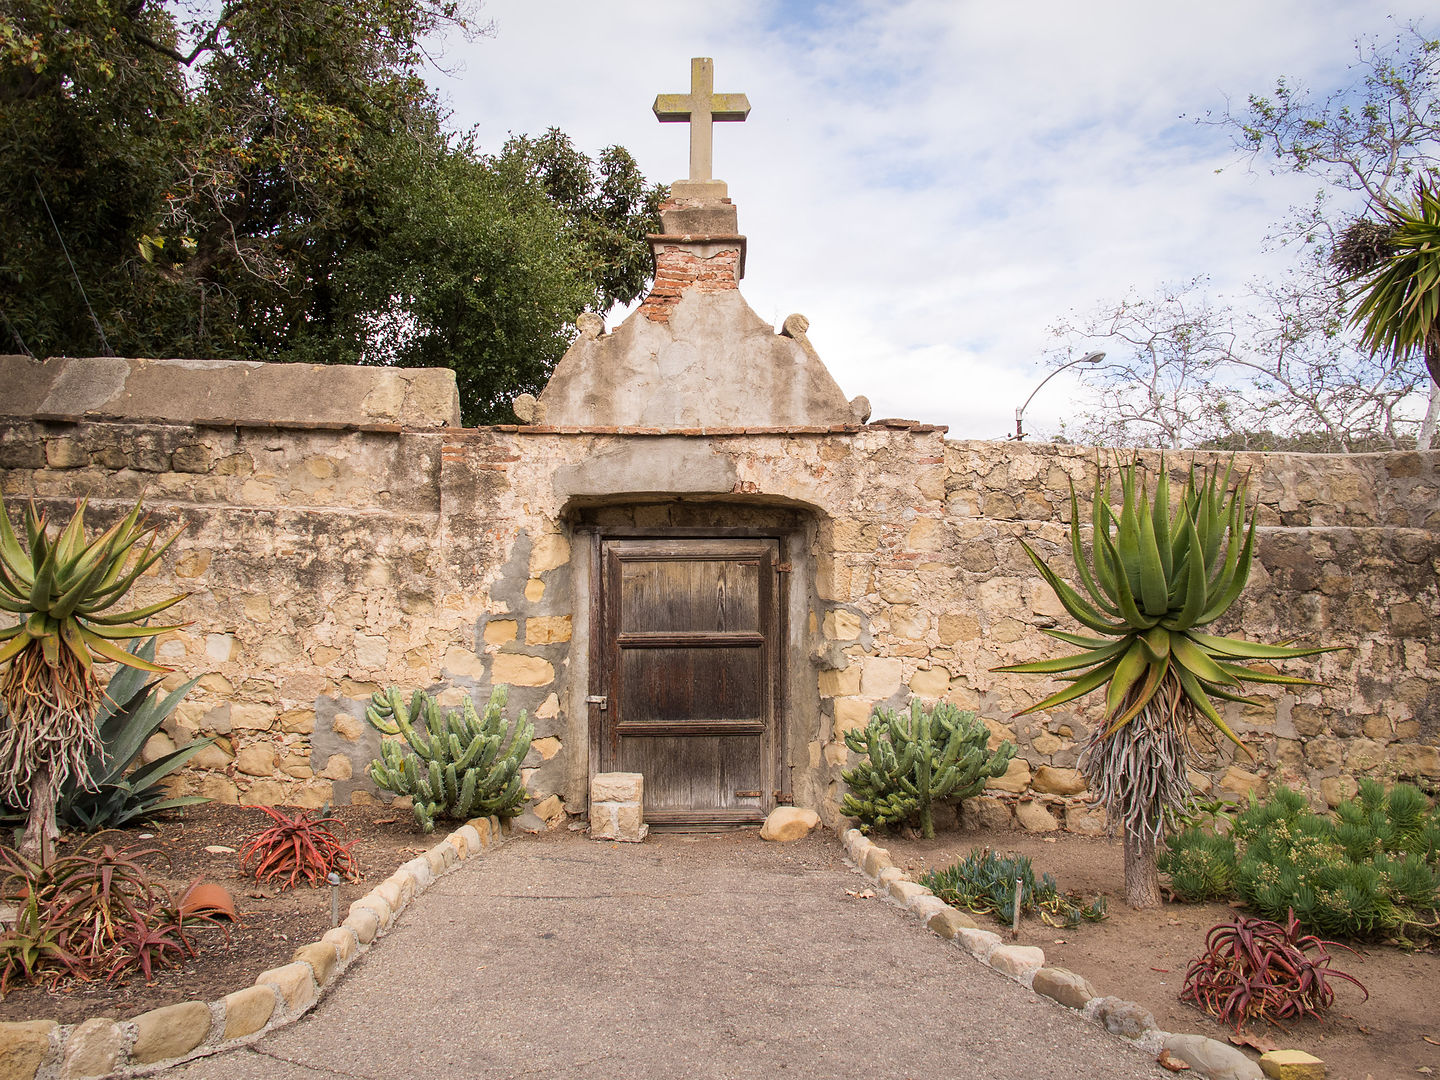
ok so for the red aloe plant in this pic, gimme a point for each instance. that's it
(301, 845)
(92, 912)
(1257, 968)
(144, 943)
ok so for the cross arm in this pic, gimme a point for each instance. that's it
(729, 106)
(677, 108)
(672, 108)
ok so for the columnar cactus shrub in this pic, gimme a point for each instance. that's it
(917, 759)
(462, 764)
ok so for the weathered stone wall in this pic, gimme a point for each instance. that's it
(326, 563)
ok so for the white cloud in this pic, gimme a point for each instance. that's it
(934, 183)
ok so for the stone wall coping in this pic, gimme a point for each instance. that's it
(242, 1017)
(708, 432)
(1018, 962)
(226, 423)
(76, 419)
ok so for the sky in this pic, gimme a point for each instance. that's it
(935, 184)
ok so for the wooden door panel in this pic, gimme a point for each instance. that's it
(689, 595)
(697, 773)
(683, 686)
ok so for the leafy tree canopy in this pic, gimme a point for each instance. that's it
(276, 183)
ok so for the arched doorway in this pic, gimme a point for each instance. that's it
(691, 640)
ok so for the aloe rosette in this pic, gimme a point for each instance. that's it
(1395, 263)
(1155, 577)
(61, 590)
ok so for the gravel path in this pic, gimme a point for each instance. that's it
(706, 956)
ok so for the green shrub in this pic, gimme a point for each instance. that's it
(917, 759)
(984, 883)
(461, 765)
(1201, 865)
(1370, 871)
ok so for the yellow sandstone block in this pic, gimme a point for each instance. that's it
(1292, 1065)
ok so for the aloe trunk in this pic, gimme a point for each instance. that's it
(1142, 878)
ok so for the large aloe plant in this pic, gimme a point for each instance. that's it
(1155, 576)
(61, 592)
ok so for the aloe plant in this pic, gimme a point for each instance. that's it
(131, 711)
(1155, 576)
(1396, 260)
(61, 591)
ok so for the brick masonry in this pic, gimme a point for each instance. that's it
(679, 268)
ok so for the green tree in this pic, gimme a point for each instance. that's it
(277, 184)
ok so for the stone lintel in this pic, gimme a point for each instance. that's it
(699, 219)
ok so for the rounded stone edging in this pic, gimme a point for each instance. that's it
(1026, 965)
(172, 1034)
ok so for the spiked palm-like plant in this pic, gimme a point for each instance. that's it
(1155, 577)
(61, 593)
(1397, 261)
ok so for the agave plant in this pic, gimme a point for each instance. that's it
(1398, 309)
(62, 593)
(132, 710)
(1155, 576)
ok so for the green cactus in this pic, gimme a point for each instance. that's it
(914, 761)
(460, 766)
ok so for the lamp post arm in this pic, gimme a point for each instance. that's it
(1088, 358)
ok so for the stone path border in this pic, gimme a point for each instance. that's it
(160, 1038)
(1025, 964)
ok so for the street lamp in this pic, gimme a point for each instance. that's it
(1088, 358)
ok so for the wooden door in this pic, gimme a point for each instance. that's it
(688, 675)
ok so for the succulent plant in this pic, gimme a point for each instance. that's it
(1261, 969)
(61, 593)
(132, 709)
(915, 760)
(1397, 310)
(1155, 576)
(461, 765)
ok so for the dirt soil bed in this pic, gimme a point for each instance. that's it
(273, 922)
(1142, 956)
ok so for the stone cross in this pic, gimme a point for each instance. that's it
(700, 108)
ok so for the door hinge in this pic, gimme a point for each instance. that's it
(783, 568)
(784, 798)
(747, 794)
(598, 699)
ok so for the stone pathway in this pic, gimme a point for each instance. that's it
(709, 956)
